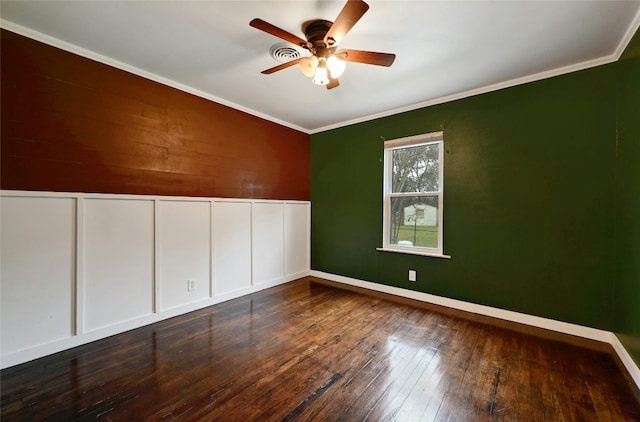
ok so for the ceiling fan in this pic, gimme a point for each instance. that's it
(325, 65)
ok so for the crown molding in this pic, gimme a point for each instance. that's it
(83, 52)
(38, 36)
(477, 91)
(626, 39)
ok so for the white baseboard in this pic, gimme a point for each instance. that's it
(534, 321)
(50, 348)
(627, 360)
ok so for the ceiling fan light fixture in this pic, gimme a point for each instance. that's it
(325, 65)
(336, 66)
(308, 65)
(322, 76)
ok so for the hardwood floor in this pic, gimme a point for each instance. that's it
(310, 351)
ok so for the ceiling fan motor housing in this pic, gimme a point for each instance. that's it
(315, 31)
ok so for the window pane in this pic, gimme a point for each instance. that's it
(415, 169)
(414, 221)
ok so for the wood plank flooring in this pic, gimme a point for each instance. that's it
(310, 351)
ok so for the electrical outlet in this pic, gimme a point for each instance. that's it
(412, 275)
(191, 285)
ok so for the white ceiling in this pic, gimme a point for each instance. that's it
(445, 49)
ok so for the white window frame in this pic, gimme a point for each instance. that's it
(433, 138)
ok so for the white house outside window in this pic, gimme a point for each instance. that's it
(413, 194)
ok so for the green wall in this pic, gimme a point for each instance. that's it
(627, 288)
(529, 216)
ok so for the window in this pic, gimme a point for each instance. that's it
(413, 169)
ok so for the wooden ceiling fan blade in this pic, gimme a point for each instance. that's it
(280, 33)
(368, 57)
(348, 17)
(333, 83)
(281, 66)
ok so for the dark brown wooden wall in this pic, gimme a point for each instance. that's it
(73, 124)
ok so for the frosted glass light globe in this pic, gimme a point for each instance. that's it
(321, 77)
(308, 65)
(336, 66)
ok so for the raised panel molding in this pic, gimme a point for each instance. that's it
(36, 278)
(78, 267)
(232, 247)
(117, 231)
(296, 238)
(267, 242)
(183, 252)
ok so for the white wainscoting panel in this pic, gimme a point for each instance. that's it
(296, 238)
(118, 261)
(267, 242)
(37, 275)
(232, 247)
(78, 267)
(183, 252)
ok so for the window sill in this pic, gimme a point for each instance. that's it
(410, 252)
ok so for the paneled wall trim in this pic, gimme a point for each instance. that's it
(78, 267)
